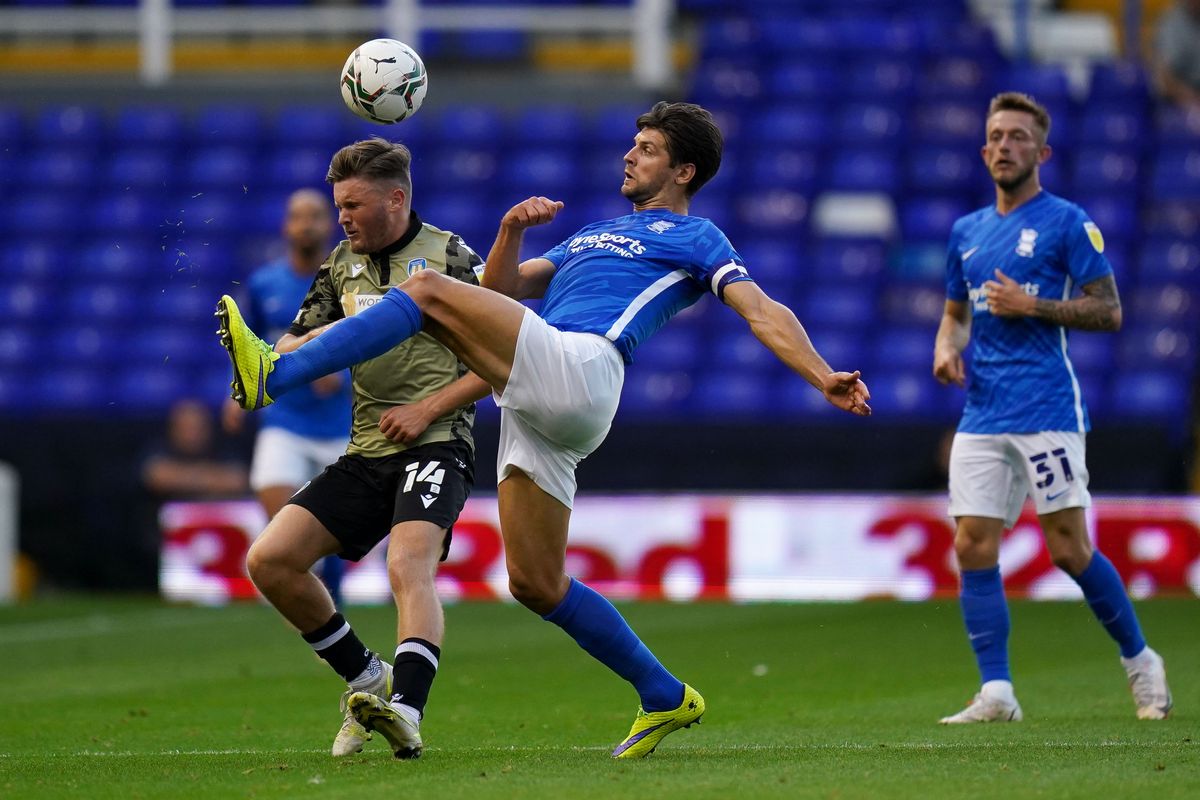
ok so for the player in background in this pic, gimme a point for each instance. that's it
(309, 429)
(557, 377)
(410, 463)
(1011, 272)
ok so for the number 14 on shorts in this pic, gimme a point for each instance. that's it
(427, 473)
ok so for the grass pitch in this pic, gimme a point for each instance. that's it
(118, 698)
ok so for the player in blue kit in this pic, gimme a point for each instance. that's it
(1012, 269)
(310, 428)
(557, 377)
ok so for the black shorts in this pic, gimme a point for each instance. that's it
(359, 499)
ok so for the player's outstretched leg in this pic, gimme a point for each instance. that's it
(649, 728)
(253, 359)
(374, 713)
(1148, 682)
(985, 613)
(352, 735)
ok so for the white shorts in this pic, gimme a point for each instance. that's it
(992, 474)
(283, 458)
(560, 401)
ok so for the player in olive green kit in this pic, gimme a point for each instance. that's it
(409, 466)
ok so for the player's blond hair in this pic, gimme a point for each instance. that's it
(375, 158)
(1019, 101)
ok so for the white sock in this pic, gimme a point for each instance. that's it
(999, 690)
(369, 676)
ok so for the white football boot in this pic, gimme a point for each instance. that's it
(1148, 682)
(995, 702)
(352, 736)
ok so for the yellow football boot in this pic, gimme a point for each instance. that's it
(253, 359)
(650, 728)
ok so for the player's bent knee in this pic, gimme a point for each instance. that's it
(535, 595)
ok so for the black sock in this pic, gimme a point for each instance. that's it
(415, 668)
(336, 642)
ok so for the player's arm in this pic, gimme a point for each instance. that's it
(504, 272)
(1098, 308)
(777, 328)
(405, 424)
(954, 332)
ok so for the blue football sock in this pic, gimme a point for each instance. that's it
(370, 333)
(599, 628)
(985, 613)
(1105, 593)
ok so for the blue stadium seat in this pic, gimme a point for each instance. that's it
(76, 125)
(919, 261)
(1176, 174)
(57, 168)
(869, 125)
(33, 259)
(803, 80)
(793, 397)
(740, 351)
(1116, 215)
(1176, 127)
(122, 259)
(1119, 126)
(1119, 258)
(947, 123)
(102, 303)
(848, 261)
(1169, 260)
(324, 127)
(466, 168)
(80, 343)
(881, 79)
(173, 346)
(792, 125)
(725, 35)
(1156, 346)
(222, 167)
(1168, 304)
(74, 388)
(126, 211)
(835, 305)
(873, 33)
(910, 393)
(548, 124)
(865, 170)
(674, 348)
(43, 211)
(228, 124)
(903, 304)
(652, 392)
(181, 300)
(930, 217)
(1176, 219)
(154, 388)
(776, 263)
(615, 126)
(1119, 83)
(470, 126)
(1098, 169)
(213, 213)
(787, 35)
(141, 167)
(770, 212)
(943, 169)
(729, 393)
(725, 80)
(292, 167)
(490, 45)
(1161, 395)
(20, 345)
(541, 171)
(1092, 388)
(12, 129)
(845, 347)
(958, 79)
(474, 218)
(903, 346)
(159, 126)
(1047, 83)
(192, 269)
(1091, 353)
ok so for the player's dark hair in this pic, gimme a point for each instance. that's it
(1018, 101)
(692, 137)
(375, 158)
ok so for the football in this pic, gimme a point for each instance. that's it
(384, 81)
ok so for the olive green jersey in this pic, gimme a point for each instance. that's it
(346, 284)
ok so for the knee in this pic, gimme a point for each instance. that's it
(538, 596)
(259, 565)
(424, 286)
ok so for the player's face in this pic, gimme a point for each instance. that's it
(1014, 148)
(308, 223)
(370, 213)
(648, 170)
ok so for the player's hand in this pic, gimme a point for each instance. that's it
(948, 367)
(534, 211)
(232, 416)
(1006, 297)
(404, 424)
(847, 392)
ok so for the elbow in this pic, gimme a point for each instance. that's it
(1115, 319)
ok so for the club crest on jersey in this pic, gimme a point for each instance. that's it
(661, 226)
(1025, 245)
(1094, 236)
(415, 265)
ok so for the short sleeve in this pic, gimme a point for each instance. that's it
(956, 285)
(715, 263)
(1084, 243)
(462, 263)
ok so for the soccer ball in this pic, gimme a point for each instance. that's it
(384, 81)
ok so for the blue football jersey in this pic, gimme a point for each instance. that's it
(274, 295)
(1021, 379)
(624, 278)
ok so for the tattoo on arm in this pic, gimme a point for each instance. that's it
(1098, 309)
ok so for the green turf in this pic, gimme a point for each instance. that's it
(104, 698)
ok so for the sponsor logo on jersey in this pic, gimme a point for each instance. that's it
(1025, 245)
(661, 226)
(415, 265)
(1094, 236)
(614, 242)
(354, 303)
(479, 268)
(356, 269)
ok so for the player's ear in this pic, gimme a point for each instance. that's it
(1044, 154)
(684, 174)
(396, 199)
